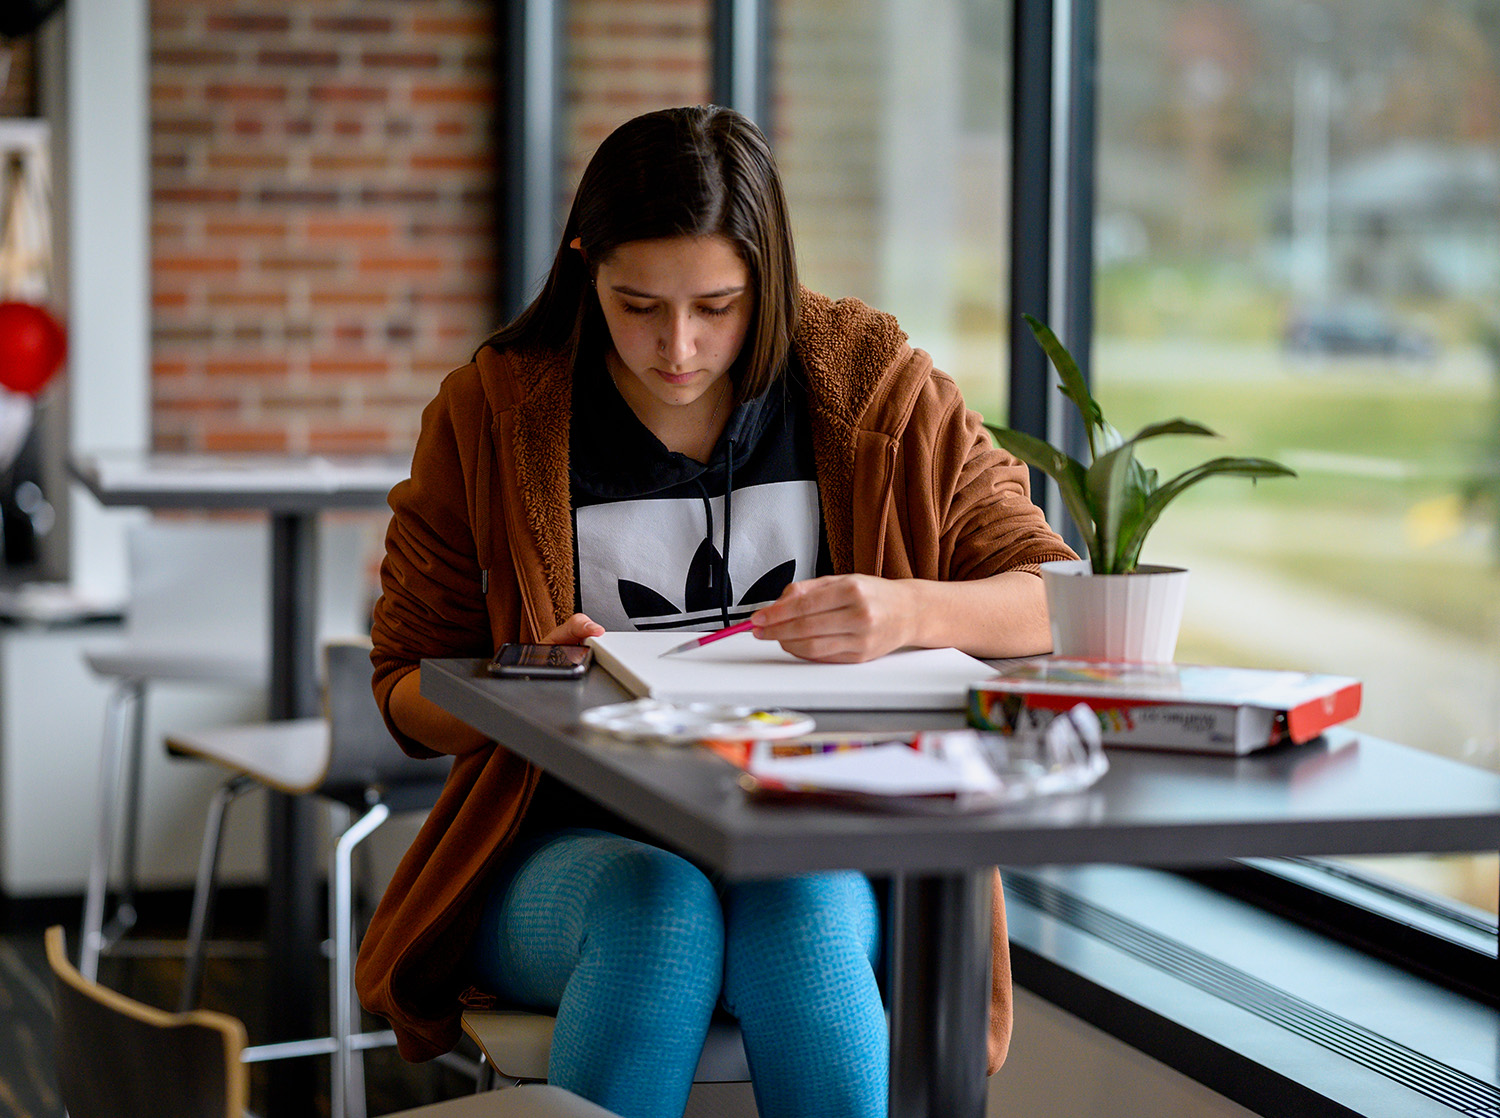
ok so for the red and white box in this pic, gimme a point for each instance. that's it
(1167, 706)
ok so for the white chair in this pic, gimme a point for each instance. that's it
(350, 760)
(198, 614)
(119, 1058)
(515, 1044)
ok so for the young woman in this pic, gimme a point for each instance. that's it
(676, 435)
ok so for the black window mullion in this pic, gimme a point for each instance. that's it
(1053, 138)
(741, 61)
(528, 87)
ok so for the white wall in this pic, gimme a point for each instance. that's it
(103, 125)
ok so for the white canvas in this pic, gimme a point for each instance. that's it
(741, 669)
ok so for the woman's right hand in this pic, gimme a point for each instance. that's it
(574, 631)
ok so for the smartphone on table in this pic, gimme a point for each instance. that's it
(542, 661)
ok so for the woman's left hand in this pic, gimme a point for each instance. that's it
(840, 618)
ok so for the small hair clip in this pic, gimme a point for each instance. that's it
(576, 243)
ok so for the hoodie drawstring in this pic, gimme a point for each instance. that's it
(724, 602)
(722, 573)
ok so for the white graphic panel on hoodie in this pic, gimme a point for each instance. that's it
(649, 524)
(652, 564)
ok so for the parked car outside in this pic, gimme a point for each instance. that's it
(1353, 329)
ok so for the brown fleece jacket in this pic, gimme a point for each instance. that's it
(910, 485)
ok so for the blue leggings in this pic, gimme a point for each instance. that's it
(632, 946)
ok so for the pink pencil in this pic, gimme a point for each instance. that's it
(699, 642)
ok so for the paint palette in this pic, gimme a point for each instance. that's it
(690, 722)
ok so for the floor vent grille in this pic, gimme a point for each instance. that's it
(1414, 1070)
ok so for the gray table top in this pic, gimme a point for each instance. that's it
(1345, 794)
(278, 483)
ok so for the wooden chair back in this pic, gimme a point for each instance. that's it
(119, 1058)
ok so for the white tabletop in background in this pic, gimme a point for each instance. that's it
(268, 481)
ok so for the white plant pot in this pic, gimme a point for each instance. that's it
(1114, 617)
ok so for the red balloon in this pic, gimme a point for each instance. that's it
(32, 347)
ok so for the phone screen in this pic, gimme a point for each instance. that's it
(542, 661)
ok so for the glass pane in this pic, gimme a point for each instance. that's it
(891, 128)
(623, 60)
(1298, 244)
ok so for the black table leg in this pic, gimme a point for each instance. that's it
(293, 910)
(939, 994)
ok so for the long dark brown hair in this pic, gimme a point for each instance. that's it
(697, 172)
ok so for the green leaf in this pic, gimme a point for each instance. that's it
(1237, 467)
(1119, 488)
(1113, 488)
(1173, 427)
(1073, 385)
(1067, 472)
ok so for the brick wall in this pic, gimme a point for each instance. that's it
(322, 206)
(626, 57)
(321, 218)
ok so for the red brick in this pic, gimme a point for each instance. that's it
(245, 300)
(348, 440)
(347, 366)
(400, 60)
(227, 408)
(347, 298)
(180, 126)
(347, 164)
(246, 228)
(299, 59)
(464, 163)
(244, 440)
(459, 229)
(297, 262)
(449, 93)
(181, 335)
(282, 400)
(246, 161)
(401, 264)
(399, 196)
(236, 92)
(338, 92)
(244, 366)
(354, 25)
(454, 27)
(350, 228)
(247, 23)
(297, 196)
(206, 265)
(191, 56)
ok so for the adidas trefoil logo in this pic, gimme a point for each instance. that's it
(649, 609)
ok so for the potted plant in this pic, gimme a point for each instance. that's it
(1110, 606)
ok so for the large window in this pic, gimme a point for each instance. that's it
(891, 126)
(1298, 243)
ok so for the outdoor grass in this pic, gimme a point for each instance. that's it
(1455, 596)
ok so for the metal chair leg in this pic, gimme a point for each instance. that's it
(347, 1095)
(205, 887)
(92, 941)
(125, 910)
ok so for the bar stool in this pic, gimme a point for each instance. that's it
(198, 614)
(349, 760)
(515, 1044)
